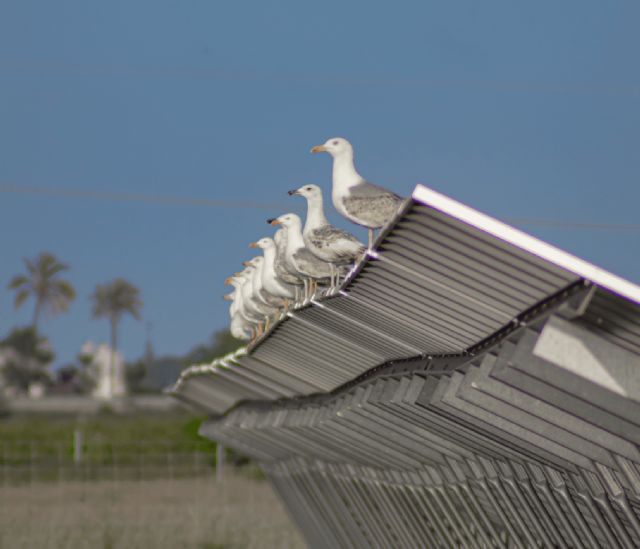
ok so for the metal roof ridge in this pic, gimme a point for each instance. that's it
(511, 235)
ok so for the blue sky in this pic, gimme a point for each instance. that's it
(521, 110)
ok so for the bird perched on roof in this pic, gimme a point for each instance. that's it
(358, 200)
(280, 264)
(309, 267)
(270, 281)
(262, 295)
(247, 316)
(331, 244)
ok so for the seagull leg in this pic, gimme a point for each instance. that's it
(267, 323)
(306, 289)
(371, 239)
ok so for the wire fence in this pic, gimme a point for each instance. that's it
(28, 462)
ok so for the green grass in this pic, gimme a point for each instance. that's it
(178, 429)
(146, 446)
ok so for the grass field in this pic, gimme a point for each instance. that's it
(144, 481)
(103, 429)
(198, 513)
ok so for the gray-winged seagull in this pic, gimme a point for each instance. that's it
(358, 200)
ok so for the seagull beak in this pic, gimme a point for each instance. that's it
(275, 222)
(246, 263)
(253, 245)
(227, 297)
(227, 282)
(319, 149)
(294, 192)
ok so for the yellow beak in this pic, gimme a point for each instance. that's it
(246, 263)
(227, 282)
(319, 149)
(253, 245)
(276, 222)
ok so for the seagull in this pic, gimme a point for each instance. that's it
(280, 264)
(253, 305)
(333, 245)
(259, 291)
(270, 281)
(241, 329)
(309, 267)
(249, 315)
(358, 200)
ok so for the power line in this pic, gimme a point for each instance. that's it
(559, 224)
(143, 198)
(315, 78)
(254, 204)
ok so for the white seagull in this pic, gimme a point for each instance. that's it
(259, 291)
(358, 200)
(249, 316)
(270, 281)
(310, 268)
(284, 273)
(331, 244)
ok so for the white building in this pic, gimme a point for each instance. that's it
(107, 371)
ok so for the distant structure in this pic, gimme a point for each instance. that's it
(109, 376)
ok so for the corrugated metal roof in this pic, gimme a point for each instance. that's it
(442, 279)
(516, 447)
(467, 386)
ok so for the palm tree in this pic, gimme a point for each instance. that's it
(42, 281)
(112, 300)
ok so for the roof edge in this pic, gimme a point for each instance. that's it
(522, 240)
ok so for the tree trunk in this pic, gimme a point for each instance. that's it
(112, 361)
(36, 315)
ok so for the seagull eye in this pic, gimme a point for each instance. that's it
(335, 142)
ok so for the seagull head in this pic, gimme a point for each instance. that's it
(336, 146)
(263, 243)
(252, 262)
(308, 191)
(287, 220)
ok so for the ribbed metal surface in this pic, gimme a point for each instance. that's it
(468, 386)
(504, 450)
(435, 285)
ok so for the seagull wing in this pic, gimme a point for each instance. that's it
(371, 205)
(343, 245)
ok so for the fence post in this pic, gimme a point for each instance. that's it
(219, 461)
(77, 446)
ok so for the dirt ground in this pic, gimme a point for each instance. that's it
(238, 512)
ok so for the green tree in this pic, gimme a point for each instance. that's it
(27, 356)
(42, 281)
(113, 300)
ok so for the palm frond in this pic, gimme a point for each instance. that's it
(41, 280)
(116, 298)
(17, 281)
(21, 297)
